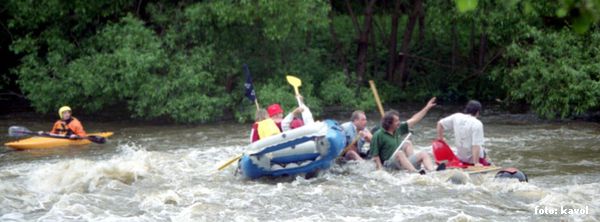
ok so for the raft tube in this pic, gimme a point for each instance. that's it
(302, 150)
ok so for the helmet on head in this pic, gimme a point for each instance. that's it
(63, 109)
(274, 109)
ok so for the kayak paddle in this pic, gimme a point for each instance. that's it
(20, 131)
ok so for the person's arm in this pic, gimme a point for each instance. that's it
(254, 133)
(378, 164)
(475, 152)
(77, 129)
(54, 129)
(285, 123)
(307, 116)
(478, 140)
(419, 115)
(366, 134)
(375, 151)
(440, 130)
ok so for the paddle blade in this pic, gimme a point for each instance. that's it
(229, 162)
(18, 131)
(97, 139)
(294, 81)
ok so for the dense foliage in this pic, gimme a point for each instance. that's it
(183, 60)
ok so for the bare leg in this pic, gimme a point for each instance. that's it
(424, 158)
(404, 162)
(352, 155)
(408, 148)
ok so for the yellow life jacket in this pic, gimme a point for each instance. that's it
(267, 128)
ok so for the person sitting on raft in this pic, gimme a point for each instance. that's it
(269, 126)
(356, 127)
(67, 125)
(468, 134)
(297, 118)
(260, 115)
(388, 138)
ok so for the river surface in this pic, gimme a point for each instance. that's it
(152, 172)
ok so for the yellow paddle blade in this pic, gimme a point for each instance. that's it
(230, 162)
(295, 82)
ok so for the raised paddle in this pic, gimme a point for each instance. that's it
(295, 82)
(376, 95)
(20, 131)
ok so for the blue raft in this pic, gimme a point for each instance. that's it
(303, 150)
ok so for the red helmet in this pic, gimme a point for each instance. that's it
(274, 109)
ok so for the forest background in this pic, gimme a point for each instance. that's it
(183, 60)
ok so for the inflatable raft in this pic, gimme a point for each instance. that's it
(302, 150)
(38, 142)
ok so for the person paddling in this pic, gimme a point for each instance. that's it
(468, 134)
(356, 127)
(68, 125)
(387, 139)
(297, 118)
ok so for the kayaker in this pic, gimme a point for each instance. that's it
(271, 125)
(468, 134)
(298, 117)
(388, 138)
(260, 115)
(357, 126)
(68, 125)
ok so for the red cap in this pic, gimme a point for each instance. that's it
(296, 123)
(274, 109)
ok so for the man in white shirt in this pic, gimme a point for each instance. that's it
(468, 134)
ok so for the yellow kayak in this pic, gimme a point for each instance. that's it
(38, 142)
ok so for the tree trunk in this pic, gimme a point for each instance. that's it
(472, 41)
(410, 26)
(391, 69)
(363, 43)
(341, 56)
(421, 26)
(454, 44)
(482, 46)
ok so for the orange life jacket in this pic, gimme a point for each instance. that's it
(68, 127)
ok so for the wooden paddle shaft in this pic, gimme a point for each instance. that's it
(376, 94)
(350, 145)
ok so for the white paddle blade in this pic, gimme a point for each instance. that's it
(18, 131)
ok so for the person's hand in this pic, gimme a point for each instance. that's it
(300, 98)
(40, 132)
(478, 165)
(431, 103)
(73, 136)
(365, 134)
(298, 110)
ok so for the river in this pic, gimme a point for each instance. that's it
(153, 172)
